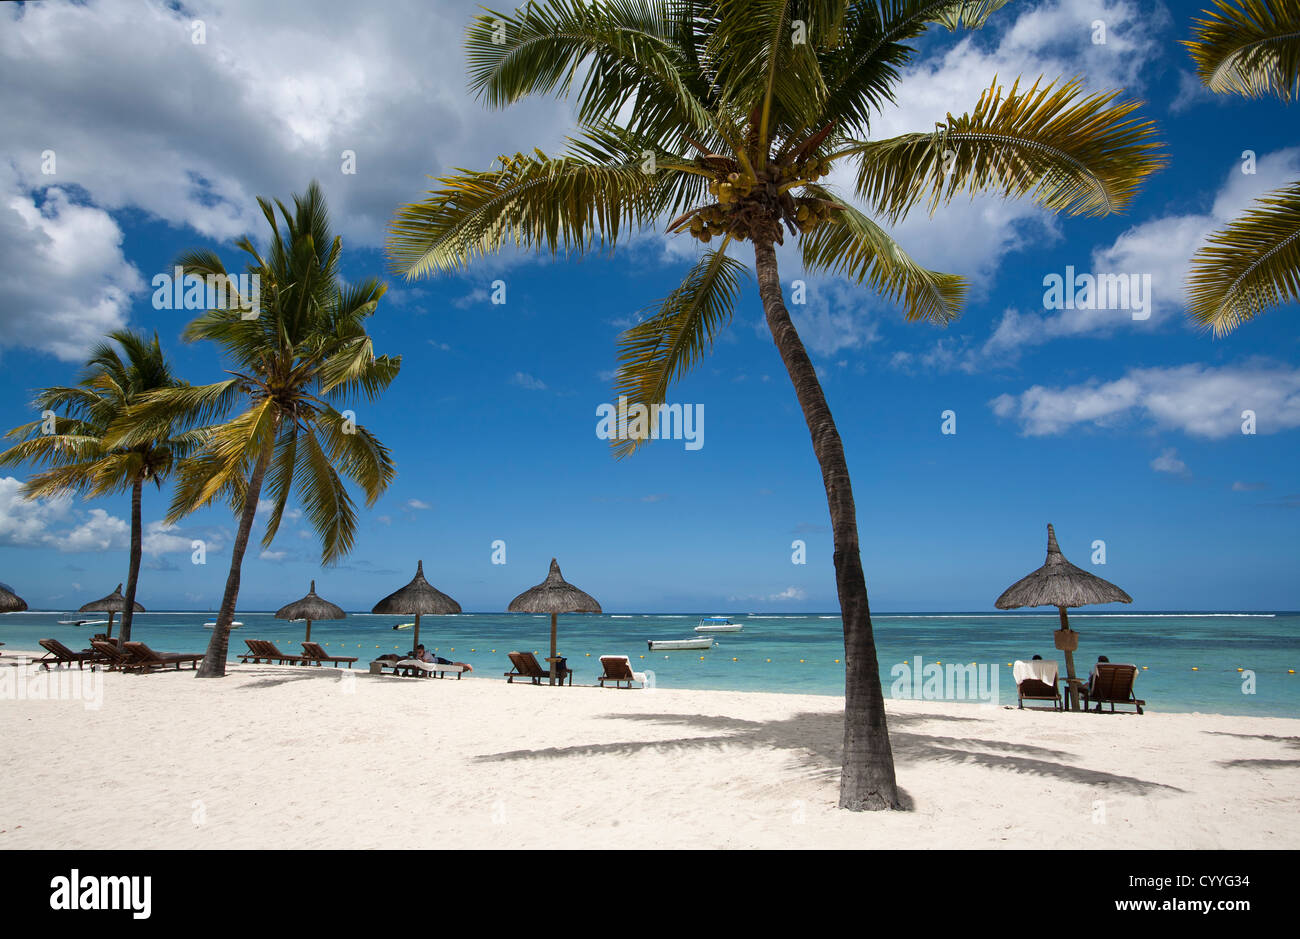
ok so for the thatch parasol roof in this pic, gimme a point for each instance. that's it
(10, 602)
(419, 596)
(1059, 583)
(113, 603)
(554, 595)
(310, 607)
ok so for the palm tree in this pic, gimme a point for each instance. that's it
(1250, 48)
(306, 347)
(74, 446)
(732, 115)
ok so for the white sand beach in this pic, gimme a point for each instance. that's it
(278, 757)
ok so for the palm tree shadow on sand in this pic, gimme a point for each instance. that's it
(1291, 743)
(815, 741)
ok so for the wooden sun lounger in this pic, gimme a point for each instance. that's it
(618, 669)
(317, 655)
(1031, 689)
(60, 655)
(1113, 684)
(527, 666)
(146, 659)
(264, 649)
(115, 658)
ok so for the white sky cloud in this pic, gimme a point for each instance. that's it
(1199, 400)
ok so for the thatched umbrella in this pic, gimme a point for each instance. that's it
(10, 602)
(311, 608)
(419, 597)
(111, 604)
(1060, 584)
(553, 595)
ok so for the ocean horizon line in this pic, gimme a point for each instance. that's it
(934, 614)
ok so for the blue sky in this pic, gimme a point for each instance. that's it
(1114, 429)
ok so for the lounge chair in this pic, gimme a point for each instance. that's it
(146, 659)
(527, 666)
(60, 655)
(112, 655)
(313, 652)
(618, 669)
(1112, 684)
(1037, 681)
(260, 649)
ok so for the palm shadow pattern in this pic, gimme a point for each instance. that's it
(815, 741)
(1290, 743)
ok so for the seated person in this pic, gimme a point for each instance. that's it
(1092, 676)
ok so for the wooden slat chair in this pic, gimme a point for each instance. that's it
(527, 666)
(618, 669)
(60, 655)
(314, 654)
(114, 657)
(1035, 689)
(146, 659)
(264, 650)
(1112, 684)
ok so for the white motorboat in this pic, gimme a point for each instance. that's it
(212, 624)
(83, 622)
(669, 645)
(718, 624)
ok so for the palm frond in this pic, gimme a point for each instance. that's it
(1082, 155)
(325, 501)
(621, 52)
(1249, 48)
(560, 204)
(1250, 266)
(664, 347)
(851, 244)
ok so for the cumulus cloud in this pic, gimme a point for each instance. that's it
(63, 276)
(1199, 400)
(141, 118)
(1163, 247)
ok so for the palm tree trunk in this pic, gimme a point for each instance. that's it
(214, 659)
(133, 574)
(867, 779)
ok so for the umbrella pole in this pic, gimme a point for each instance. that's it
(552, 648)
(416, 643)
(1073, 692)
(308, 639)
(109, 634)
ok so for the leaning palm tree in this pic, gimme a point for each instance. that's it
(295, 348)
(74, 447)
(1252, 265)
(730, 116)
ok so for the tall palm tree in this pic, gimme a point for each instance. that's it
(74, 446)
(730, 115)
(306, 348)
(1249, 48)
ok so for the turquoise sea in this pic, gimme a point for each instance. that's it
(1189, 661)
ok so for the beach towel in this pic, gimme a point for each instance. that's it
(1040, 669)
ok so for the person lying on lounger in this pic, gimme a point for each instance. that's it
(424, 655)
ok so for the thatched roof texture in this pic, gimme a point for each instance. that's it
(554, 595)
(419, 596)
(310, 607)
(113, 603)
(1059, 583)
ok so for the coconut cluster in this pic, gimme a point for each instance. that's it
(747, 202)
